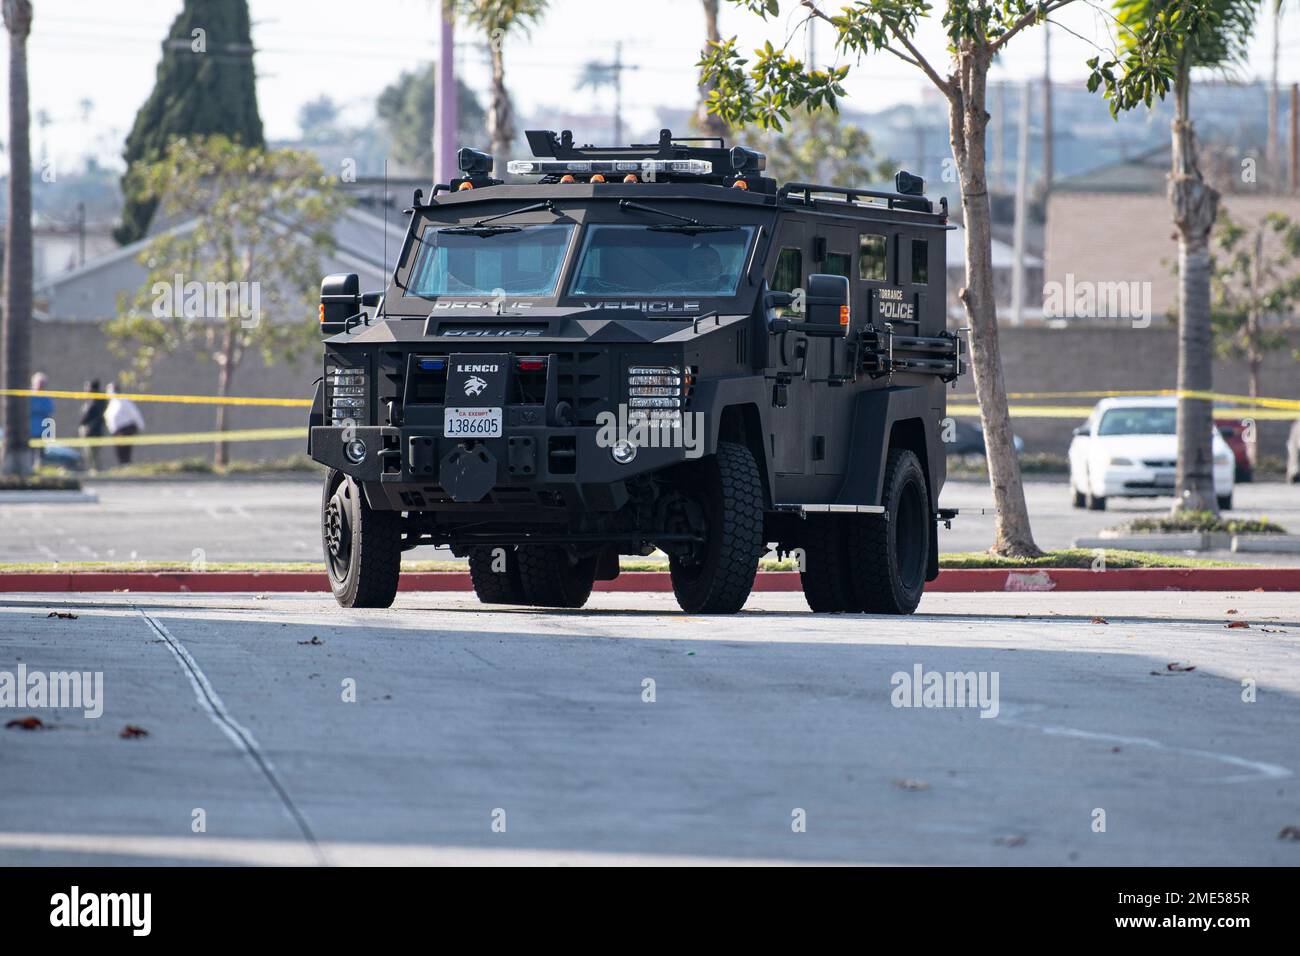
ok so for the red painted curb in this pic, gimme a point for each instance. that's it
(955, 580)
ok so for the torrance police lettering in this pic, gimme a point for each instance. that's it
(133, 910)
(892, 306)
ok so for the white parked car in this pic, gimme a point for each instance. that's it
(1128, 449)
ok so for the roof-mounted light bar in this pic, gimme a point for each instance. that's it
(649, 168)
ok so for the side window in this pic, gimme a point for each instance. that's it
(789, 270)
(920, 261)
(838, 264)
(871, 258)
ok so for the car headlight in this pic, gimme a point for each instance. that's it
(1122, 462)
(658, 387)
(345, 393)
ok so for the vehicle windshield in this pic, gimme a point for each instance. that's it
(637, 260)
(523, 261)
(1138, 421)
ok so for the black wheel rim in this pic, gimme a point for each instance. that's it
(337, 528)
(911, 536)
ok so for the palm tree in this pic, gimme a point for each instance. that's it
(497, 18)
(1217, 42)
(1271, 158)
(16, 332)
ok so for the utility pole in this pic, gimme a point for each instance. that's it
(1271, 158)
(444, 118)
(1047, 110)
(81, 234)
(1022, 208)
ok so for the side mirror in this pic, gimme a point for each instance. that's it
(340, 299)
(827, 302)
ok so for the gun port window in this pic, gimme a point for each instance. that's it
(666, 260)
(489, 261)
(920, 261)
(789, 270)
(837, 264)
(871, 258)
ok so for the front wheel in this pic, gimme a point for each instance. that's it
(363, 547)
(717, 576)
(1225, 502)
(889, 553)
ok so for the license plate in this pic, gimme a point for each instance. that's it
(471, 423)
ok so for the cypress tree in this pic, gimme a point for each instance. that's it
(205, 84)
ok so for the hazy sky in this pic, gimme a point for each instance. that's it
(106, 51)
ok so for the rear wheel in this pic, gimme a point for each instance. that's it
(550, 579)
(889, 553)
(1094, 503)
(1225, 502)
(363, 547)
(1078, 500)
(826, 567)
(717, 576)
(495, 575)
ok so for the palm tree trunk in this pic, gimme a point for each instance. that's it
(1195, 206)
(710, 124)
(968, 124)
(1271, 158)
(225, 372)
(16, 330)
(501, 128)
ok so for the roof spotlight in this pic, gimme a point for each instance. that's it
(474, 162)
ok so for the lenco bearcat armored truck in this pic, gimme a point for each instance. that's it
(646, 347)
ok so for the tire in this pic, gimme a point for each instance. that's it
(363, 547)
(719, 579)
(826, 566)
(1225, 502)
(491, 585)
(1093, 503)
(889, 553)
(549, 579)
(1078, 499)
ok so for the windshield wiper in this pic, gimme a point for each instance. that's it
(690, 228)
(480, 228)
(477, 230)
(684, 224)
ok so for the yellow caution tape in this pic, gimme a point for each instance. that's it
(176, 399)
(1282, 403)
(174, 438)
(1083, 411)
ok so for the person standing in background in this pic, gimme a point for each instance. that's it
(122, 419)
(92, 423)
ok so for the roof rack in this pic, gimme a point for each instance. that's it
(726, 166)
(852, 195)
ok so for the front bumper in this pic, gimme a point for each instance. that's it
(416, 468)
(1141, 481)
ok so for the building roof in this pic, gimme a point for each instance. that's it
(1144, 173)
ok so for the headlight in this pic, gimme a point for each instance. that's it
(1122, 462)
(345, 394)
(658, 387)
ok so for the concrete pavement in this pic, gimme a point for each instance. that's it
(538, 722)
(277, 519)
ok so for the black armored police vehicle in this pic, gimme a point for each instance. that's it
(644, 347)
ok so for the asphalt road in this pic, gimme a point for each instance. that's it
(277, 520)
(537, 722)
